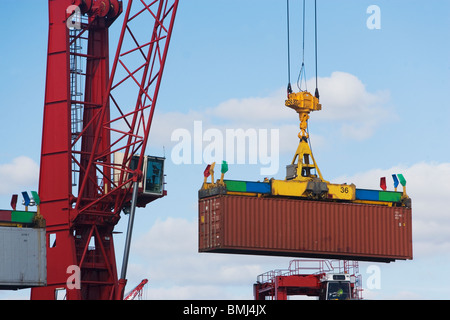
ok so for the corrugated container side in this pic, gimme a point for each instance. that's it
(23, 262)
(300, 228)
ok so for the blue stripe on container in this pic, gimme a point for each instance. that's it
(362, 194)
(258, 187)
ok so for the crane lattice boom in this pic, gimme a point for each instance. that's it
(136, 292)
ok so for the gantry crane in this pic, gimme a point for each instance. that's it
(95, 132)
(137, 291)
(330, 280)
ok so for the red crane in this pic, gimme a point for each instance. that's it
(332, 280)
(136, 292)
(95, 131)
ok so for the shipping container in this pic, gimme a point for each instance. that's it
(303, 228)
(23, 262)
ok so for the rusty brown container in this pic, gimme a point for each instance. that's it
(301, 228)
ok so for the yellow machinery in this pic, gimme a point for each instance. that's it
(303, 177)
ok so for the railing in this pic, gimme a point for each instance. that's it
(77, 83)
(306, 266)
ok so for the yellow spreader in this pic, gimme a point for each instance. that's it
(303, 177)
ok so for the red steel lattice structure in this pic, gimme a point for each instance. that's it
(136, 292)
(90, 113)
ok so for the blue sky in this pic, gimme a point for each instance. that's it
(385, 100)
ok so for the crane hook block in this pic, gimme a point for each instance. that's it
(303, 101)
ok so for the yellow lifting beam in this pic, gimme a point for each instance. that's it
(303, 103)
(303, 177)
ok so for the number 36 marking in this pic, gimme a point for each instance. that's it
(344, 189)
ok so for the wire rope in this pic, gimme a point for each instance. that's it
(289, 88)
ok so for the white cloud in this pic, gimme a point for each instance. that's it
(345, 101)
(193, 292)
(400, 295)
(253, 111)
(21, 172)
(345, 97)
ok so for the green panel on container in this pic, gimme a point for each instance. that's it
(390, 196)
(238, 186)
(22, 216)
